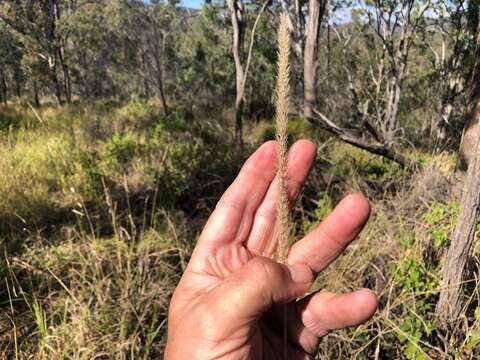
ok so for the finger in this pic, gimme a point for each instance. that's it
(297, 333)
(299, 163)
(323, 245)
(314, 316)
(234, 212)
(324, 311)
(246, 294)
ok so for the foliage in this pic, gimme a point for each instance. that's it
(412, 276)
(441, 220)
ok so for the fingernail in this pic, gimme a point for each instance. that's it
(300, 273)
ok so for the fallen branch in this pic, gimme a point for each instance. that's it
(352, 137)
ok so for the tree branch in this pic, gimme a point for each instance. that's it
(252, 40)
(351, 137)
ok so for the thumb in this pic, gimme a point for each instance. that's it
(250, 291)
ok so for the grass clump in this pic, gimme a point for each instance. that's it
(33, 168)
(106, 296)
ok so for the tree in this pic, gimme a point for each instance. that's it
(391, 31)
(304, 26)
(36, 22)
(450, 304)
(316, 11)
(237, 15)
(157, 48)
(238, 20)
(11, 74)
(155, 20)
(450, 62)
(87, 29)
(472, 118)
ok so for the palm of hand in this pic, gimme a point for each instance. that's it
(228, 303)
(236, 340)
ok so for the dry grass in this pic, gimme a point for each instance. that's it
(94, 297)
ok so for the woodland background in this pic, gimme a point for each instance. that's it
(123, 121)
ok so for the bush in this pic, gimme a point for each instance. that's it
(412, 276)
(441, 219)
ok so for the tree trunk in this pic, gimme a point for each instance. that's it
(237, 13)
(442, 125)
(353, 137)
(144, 76)
(35, 94)
(469, 136)
(18, 88)
(446, 110)
(310, 57)
(161, 92)
(329, 55)
(56, 84)
(390, 121)
(450, 304)
(146, 89)
(52, 68)
(4, 91)
(159, 67)
(67, 82)
(239, 125)
(60, 53)
(454, 86)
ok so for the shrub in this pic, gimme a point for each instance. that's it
(441, 219)
(412, 276)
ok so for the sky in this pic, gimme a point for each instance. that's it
(342, 15)
(193, 4)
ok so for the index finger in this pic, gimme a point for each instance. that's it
(234, 212)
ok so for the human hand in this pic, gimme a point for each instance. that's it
(228, 304)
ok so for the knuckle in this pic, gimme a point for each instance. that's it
(266, 270)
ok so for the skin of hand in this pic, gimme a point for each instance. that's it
(229, 302)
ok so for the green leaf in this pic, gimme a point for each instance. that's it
(474, 339)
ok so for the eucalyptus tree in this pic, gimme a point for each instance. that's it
(472, 118)
(161, 27)
(388, 30)
(242, 59)
(238, 21)
(36, 22)
(451, 61)
(452, 300)
(304, 22)
(11, 73)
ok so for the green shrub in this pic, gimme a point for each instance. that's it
(376, 168)
(120, 149)
(298, 128)
(412, 277)
(323, 207)
(136, 109)
(13, 118)
(441, 219)
(350, 161)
